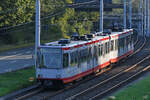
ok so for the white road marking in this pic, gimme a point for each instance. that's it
(26, 65)
(28, 52)
(13, 61)
(6, 57)
(14, 52)
(9, 53)
(8, 70)
(7, 62)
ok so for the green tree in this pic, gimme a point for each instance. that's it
(16, 12)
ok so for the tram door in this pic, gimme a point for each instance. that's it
(109, 49)
(90, 57)
(94, 55)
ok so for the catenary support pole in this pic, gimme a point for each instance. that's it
(141, 7)
(101, 15)
(148, 29)
(139, 22)
(130, 14)
(125, 12)
(37, 29)
(145, 18)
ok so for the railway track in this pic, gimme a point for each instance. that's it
(103, 79)
(103, 88)
(137, 39)
(138, 43)
(43, 96)
(116, 85)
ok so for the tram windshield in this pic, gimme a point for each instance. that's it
(49, 58)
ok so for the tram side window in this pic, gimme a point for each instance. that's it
(95, 50)
(89, 54)
(125, 42)
(116, 44)
(119, 45)
(106, 47)
(112, 45)
(101, 51)
(83, 55)
(132, 38)
(122, 42)
(74, 58)
(79, 57)
(65, 60)
(129, 39)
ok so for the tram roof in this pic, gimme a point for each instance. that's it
(80, 43)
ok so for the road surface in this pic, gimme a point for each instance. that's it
(16, 59)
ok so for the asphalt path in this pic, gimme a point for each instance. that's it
(16, 59)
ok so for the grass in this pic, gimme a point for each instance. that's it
(13, 81)
(11, 47)
(138, 91)
(24, 37)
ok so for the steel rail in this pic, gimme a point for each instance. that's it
(109, 79)
(119, 84)
(71, 87)
(137, 39)
(32, 93)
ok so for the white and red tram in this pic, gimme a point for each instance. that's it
(66, 62)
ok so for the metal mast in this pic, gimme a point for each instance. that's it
(140, 26)
(125, 19)
(37, 29)
(141, 7)
(148, 29)
(130, 14)
(145, 17)
(101, 15)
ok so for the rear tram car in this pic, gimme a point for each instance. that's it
(65, 61)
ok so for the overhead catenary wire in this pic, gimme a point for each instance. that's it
(52, 15)
(88, 2)
(78, 4)
(45, 17)
(21, 24)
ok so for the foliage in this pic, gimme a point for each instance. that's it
(63, 25)
(17, 11)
